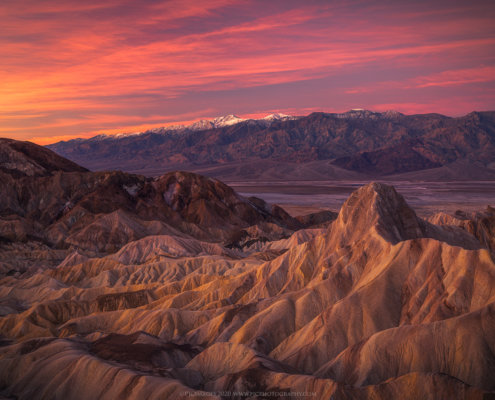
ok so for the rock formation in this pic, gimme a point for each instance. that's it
(119, 286)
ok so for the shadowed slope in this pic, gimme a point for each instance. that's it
(361, 141)
(28, 159)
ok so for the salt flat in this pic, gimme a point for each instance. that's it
(426, 197)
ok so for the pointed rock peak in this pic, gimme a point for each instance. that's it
(380, 208)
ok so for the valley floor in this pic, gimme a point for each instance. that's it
(427, 198)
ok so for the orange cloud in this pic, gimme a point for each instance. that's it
(81, 68)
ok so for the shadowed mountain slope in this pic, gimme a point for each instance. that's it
(353, 143)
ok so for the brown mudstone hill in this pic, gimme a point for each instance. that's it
(378, 304)
(51, 201)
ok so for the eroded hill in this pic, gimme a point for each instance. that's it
(377, 304)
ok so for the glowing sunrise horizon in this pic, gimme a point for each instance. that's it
(71, 69)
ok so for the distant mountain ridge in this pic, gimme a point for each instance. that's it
(202, 124)
(362, 142)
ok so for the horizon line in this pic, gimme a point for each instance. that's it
(144, 128)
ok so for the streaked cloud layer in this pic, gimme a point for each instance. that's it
(71, 68)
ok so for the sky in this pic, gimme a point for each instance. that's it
(76, 68)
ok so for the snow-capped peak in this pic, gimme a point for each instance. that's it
(99, 137)
(217, 122)
(277, 117)
(203, 124)
(357, 113)
(392, 114)
(227, 120)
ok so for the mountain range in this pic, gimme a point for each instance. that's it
(116, 285)
(358, 144)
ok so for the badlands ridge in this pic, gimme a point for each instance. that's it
(117, 286)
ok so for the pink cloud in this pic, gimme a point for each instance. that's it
(95, 64)
(458, 77)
